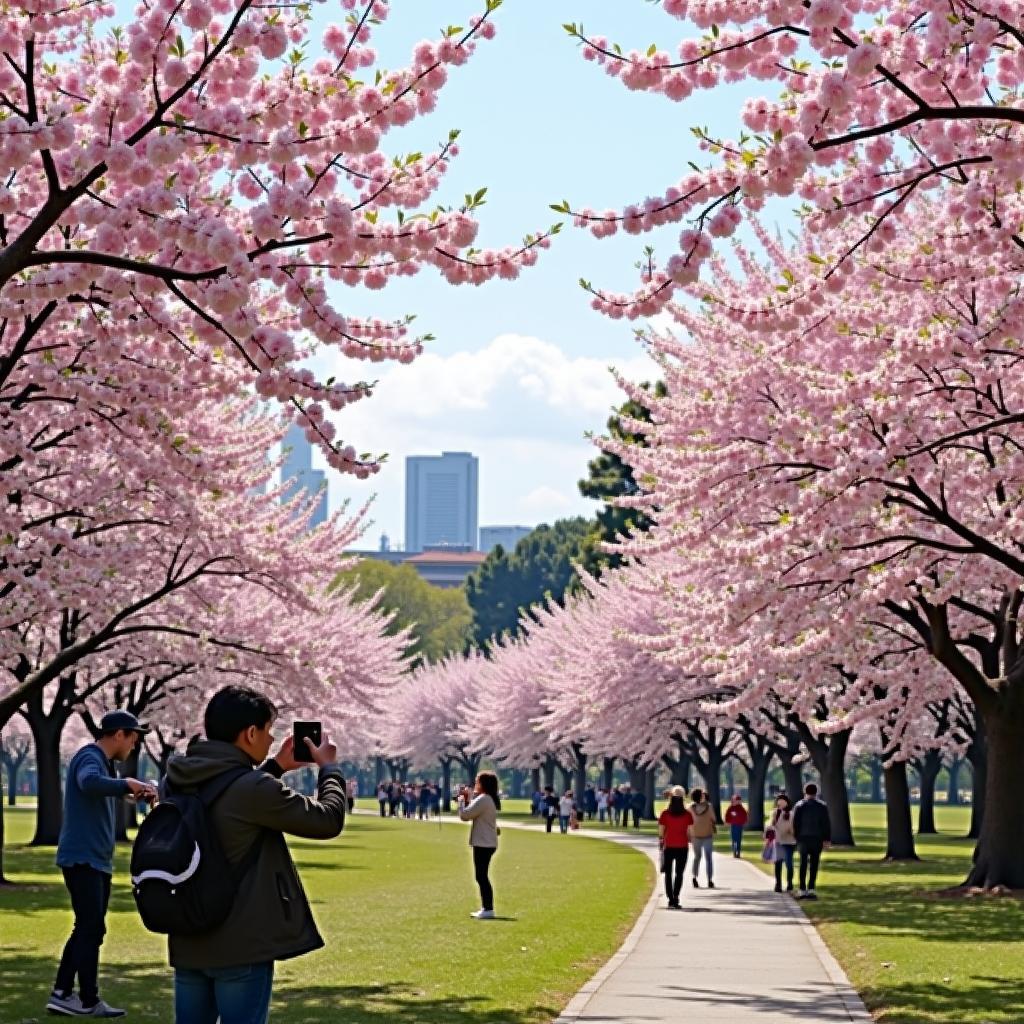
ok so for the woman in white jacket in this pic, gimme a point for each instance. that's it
(482, 811)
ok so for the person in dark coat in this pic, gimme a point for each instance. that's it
(228, 973)
(813, 829)
(638, 804)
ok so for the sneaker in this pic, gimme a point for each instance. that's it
(65, 1006)
(483, 915)
(102, 1009)
(711, 884)
(811, 895)
(789, 889)
(778, 888)
(674, 906)
(696, 884)
(802, 894)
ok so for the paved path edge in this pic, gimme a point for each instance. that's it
(575, 1007)
(849, 996)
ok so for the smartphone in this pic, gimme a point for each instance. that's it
(300, 730)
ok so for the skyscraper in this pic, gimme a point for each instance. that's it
(297, 470)
(441, 501)
(506, 536)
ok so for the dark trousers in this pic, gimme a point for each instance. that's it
(636, 817)
(548, 821)
(810, 858)
(383, 808)
(90, 896)
(481, 862)
(675, 864)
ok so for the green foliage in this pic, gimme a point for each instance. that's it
(542, 566)
(440, 618)
(608, 477)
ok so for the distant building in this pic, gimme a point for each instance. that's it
(441, 501)
(506, 536)
(297, 471)
(446, 567)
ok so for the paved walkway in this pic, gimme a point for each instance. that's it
(737, 954)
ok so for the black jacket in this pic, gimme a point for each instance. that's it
(270, 919)
(811, 822)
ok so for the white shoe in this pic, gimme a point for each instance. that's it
(102, 1009)
(65, 1006)
(483, 915)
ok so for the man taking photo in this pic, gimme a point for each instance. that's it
(85, 854)
(227, 973)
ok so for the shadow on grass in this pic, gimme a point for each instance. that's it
(145, 990)
(924, 1003)
(394, 1002)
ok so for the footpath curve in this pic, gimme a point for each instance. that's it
(738, 954)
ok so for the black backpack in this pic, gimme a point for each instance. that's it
(182, 882)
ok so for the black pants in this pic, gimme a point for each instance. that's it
(810, 858)
(549, 820)
(481, 862)
(675, 864)
(636, 817)
(90, 895)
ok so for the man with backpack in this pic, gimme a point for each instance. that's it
(226, 973)
(85, 854)
(813, 829)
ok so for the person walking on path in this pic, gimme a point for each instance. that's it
(227, 973)
(813, 830)
(550, 808)
(566, 805)
(781, 831)
(85, 855)
(736, 818)
(482, 811)
(674, 825)
(638, 804)
(702, 836)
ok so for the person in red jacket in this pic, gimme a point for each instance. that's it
(673, 838)
(736, 818)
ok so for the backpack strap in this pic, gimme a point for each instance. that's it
(210, 792)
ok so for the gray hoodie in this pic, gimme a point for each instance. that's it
(271, 919)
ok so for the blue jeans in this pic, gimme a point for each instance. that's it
(784, 856)
(563, 822)
(703, 847)
(736, 831)
(231, 995)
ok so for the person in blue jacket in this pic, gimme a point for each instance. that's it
(85, 854)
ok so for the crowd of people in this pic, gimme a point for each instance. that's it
(409, 799)
(617, 805)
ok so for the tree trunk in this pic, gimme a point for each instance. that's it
(999, 857)
(126, 815)
(712, 781)
(953, 792)
(580, 776)
(13, 768)
(49, 800)
(650, 786)
(875, 767)
(977, 754)
(730, 778)
(929, 767)
(3, 878)
(534, 781)
(518, 776)
(607, 771)
(793, 775)
(829, 756)
(757, 782)
(549, 772)
(899, 827)
(378, 771)
(567, 775)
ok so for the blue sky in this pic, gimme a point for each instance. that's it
(519, 371)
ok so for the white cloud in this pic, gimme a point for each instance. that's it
(519, 403)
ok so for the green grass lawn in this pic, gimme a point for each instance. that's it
(914, 957)
(392, 899)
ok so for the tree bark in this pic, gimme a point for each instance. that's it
(977, 754)
(534, 781)
(953, 792)
(730, 778)
(928, 768)
(567, 776)
(793, 779)
(549, 771)
(875, 767)
(3, 878)
(126, 813)
(49, 800)
(446, 783)
(13, 768)
(518, 776)
(757, 778)
(580, 776)
(829, 757)
(999, 857)
(378, 771)
(607, 771)
(899, 827)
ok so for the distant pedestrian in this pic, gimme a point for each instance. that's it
(550, 808)
(736, 818)
(85, 855)
(780, 830)
(482, 811)
(638, 804)
(813, 830)
(674, 825)
(566, 806)
(382, 799)
(702, 836)
(590, 803)
(602, 804)
(614, 806)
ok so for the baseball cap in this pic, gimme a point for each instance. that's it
(114, 720)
